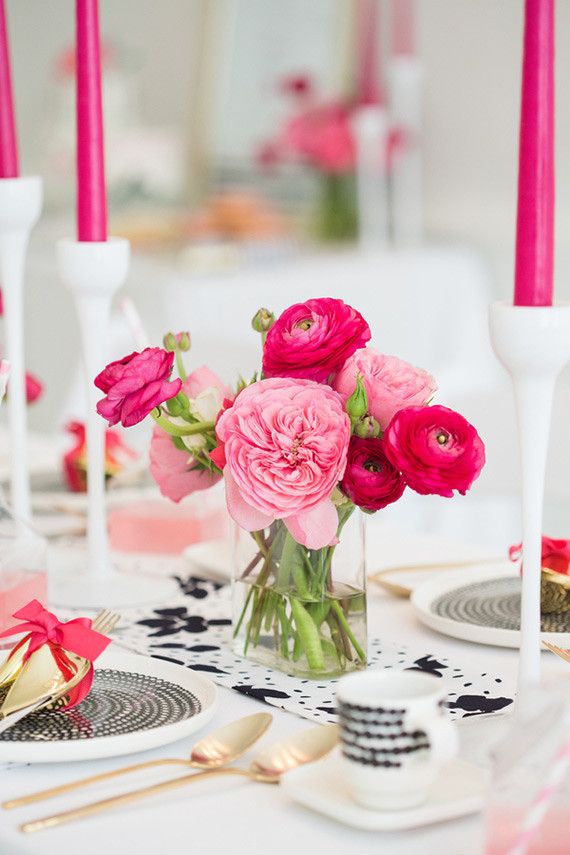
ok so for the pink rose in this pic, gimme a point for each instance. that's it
(135, 385)
(312, 340)
(174, 469)
(285, 443)
(370, 480)
(390, 383)
(436, 450)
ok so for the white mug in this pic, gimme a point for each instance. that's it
(395, 736)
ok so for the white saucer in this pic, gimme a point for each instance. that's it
(442, 585)
(136, 704)
(459, 790)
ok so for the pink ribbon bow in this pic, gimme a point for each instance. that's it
(75, 636)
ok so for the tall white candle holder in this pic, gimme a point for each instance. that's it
(20, 207)
(93, 272)
(533, 343)
(405, 77)
(371, 129)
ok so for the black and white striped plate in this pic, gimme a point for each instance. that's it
(482, 604)
(136, 703)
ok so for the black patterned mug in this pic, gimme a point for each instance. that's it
(396, 736)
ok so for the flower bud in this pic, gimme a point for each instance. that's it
(169, 342)
(357, 403)
(367, 427)
(263, 320)
(183, 341)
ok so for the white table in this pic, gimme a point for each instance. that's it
(222, 816)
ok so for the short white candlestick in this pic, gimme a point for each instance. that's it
(533, 343)
(371, 129)
(93, 272)
(20, 207)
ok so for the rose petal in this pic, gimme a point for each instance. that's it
(315, 528)
(243, 514)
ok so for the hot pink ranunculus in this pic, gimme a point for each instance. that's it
(322, 136)
(313, 340)
(370, 480)
(285, 444)
(436, 450)
(174, 469)
(390, 383)
(135, 385)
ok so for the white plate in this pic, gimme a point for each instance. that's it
(128, 712)
(459, 790)
(426, 594)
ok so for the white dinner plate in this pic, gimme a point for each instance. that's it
(136, 703)
(459, 790)
(481, 604)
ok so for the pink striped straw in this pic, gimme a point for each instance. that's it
(535, 817)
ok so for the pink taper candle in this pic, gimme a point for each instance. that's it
(535, 214)
(368, 85)
(403, 41)
(91, 195)
(8, 145)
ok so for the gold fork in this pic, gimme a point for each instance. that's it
(559, 651)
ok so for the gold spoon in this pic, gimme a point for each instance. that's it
(267, 768)
(219, 748)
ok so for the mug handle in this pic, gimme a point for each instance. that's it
(443, 738)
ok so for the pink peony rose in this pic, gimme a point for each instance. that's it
(370, 480)
(135, 385)
(171, 467)
(285, 443)
(312, 340)
(436, 450)
(390, 383)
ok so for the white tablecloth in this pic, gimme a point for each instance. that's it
(221, 816)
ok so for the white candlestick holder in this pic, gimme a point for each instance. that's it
(406, 85)
(371, 129)
(93, 272)
(20, 207)
(533, 343)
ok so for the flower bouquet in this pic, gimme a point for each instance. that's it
(329, 429)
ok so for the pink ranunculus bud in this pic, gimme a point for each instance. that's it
(436, 450)
(285, 443)
(135, 385)
(370, 480)
(390, 383)
(313, 340)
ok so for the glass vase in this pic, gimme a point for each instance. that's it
(300, 610)
(336, 216)
(23, 568)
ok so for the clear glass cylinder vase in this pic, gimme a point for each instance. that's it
(23, 568)
(301, 610)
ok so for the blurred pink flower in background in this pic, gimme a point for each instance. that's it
(322, 136)
(391, 383)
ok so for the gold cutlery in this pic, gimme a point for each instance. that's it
(403, 591)
(219, 748)
(559, 651)
(41, 684)
(267, 768)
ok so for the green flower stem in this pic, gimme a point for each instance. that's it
(309, 635)
(341, 617)
(176, 430)
(180, 367)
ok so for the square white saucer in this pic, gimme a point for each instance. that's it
(459, 790)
